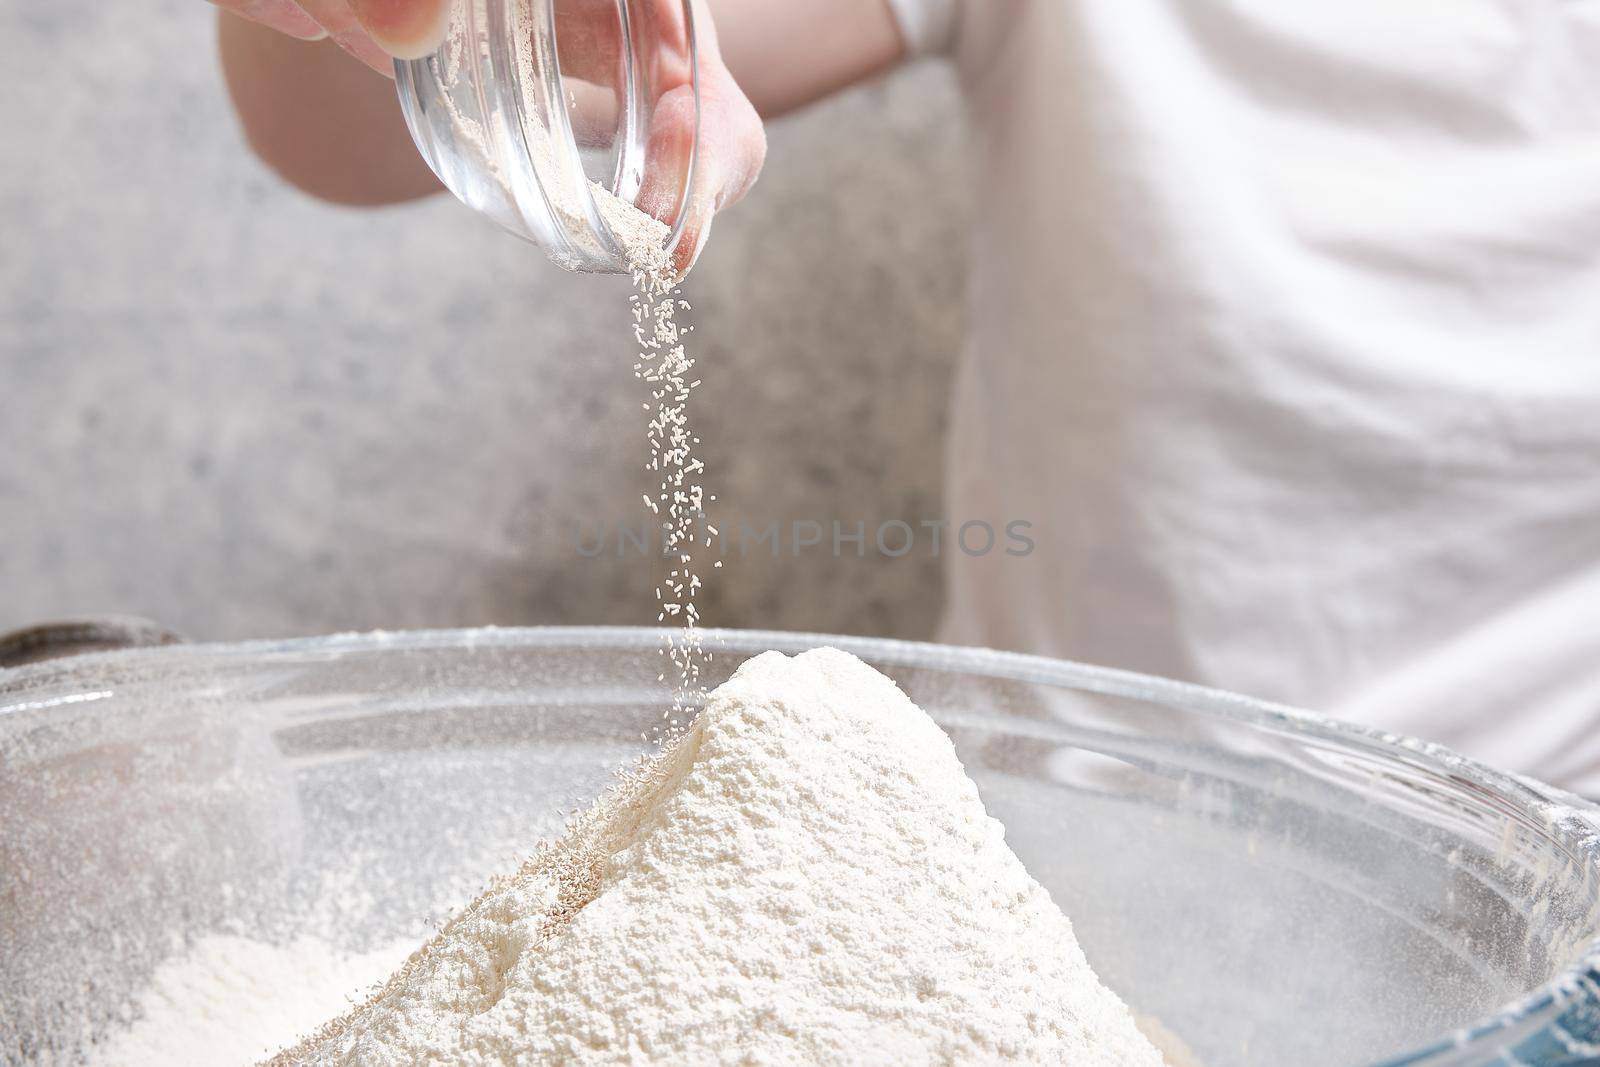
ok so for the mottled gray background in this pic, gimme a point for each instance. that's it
(245, 413)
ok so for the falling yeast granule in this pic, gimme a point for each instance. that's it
(679, 500)
(806, 875)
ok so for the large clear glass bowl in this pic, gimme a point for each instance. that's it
(1274, 887)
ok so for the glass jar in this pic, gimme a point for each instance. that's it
(533, 111)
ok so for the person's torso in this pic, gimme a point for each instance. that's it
(1286, 340)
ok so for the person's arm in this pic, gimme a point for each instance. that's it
(332, 128)
(328, 125)
(788, 53)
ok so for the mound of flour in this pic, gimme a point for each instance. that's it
(232, 1000)
(805, 876)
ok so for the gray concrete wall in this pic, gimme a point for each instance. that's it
(244, 413)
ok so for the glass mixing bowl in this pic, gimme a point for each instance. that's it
(1274, 887)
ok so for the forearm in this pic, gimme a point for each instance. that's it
(325, 123)
(332, 127)
(788, 54)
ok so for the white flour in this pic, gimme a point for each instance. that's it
(805, 876)
(230, 1001)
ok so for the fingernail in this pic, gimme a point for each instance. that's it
(405, 29)
(690, 244)
(362, 47)
(286, 18)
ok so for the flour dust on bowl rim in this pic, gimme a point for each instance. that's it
(1272, 886)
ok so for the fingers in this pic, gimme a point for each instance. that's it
(733, 138)
(668, 154)
(590, 40)
(732, 148)
(377, 32)
(280, 15)
(341, 24)
(406, 29)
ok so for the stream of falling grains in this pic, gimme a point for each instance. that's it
(680, 501)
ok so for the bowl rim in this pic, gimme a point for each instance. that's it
(1558, 812)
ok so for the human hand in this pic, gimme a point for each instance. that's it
(377, 32)
(732, 146)
(732, 142)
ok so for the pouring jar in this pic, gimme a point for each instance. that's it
(533, 111)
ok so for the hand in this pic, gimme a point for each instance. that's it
(732, 146)
(377, 32)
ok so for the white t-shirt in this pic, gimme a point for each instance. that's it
(1286, 340)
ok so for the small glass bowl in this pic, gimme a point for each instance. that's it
(530, 105)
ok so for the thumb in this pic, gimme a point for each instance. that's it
(732, 146)
(280, 15)
(406, 29)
